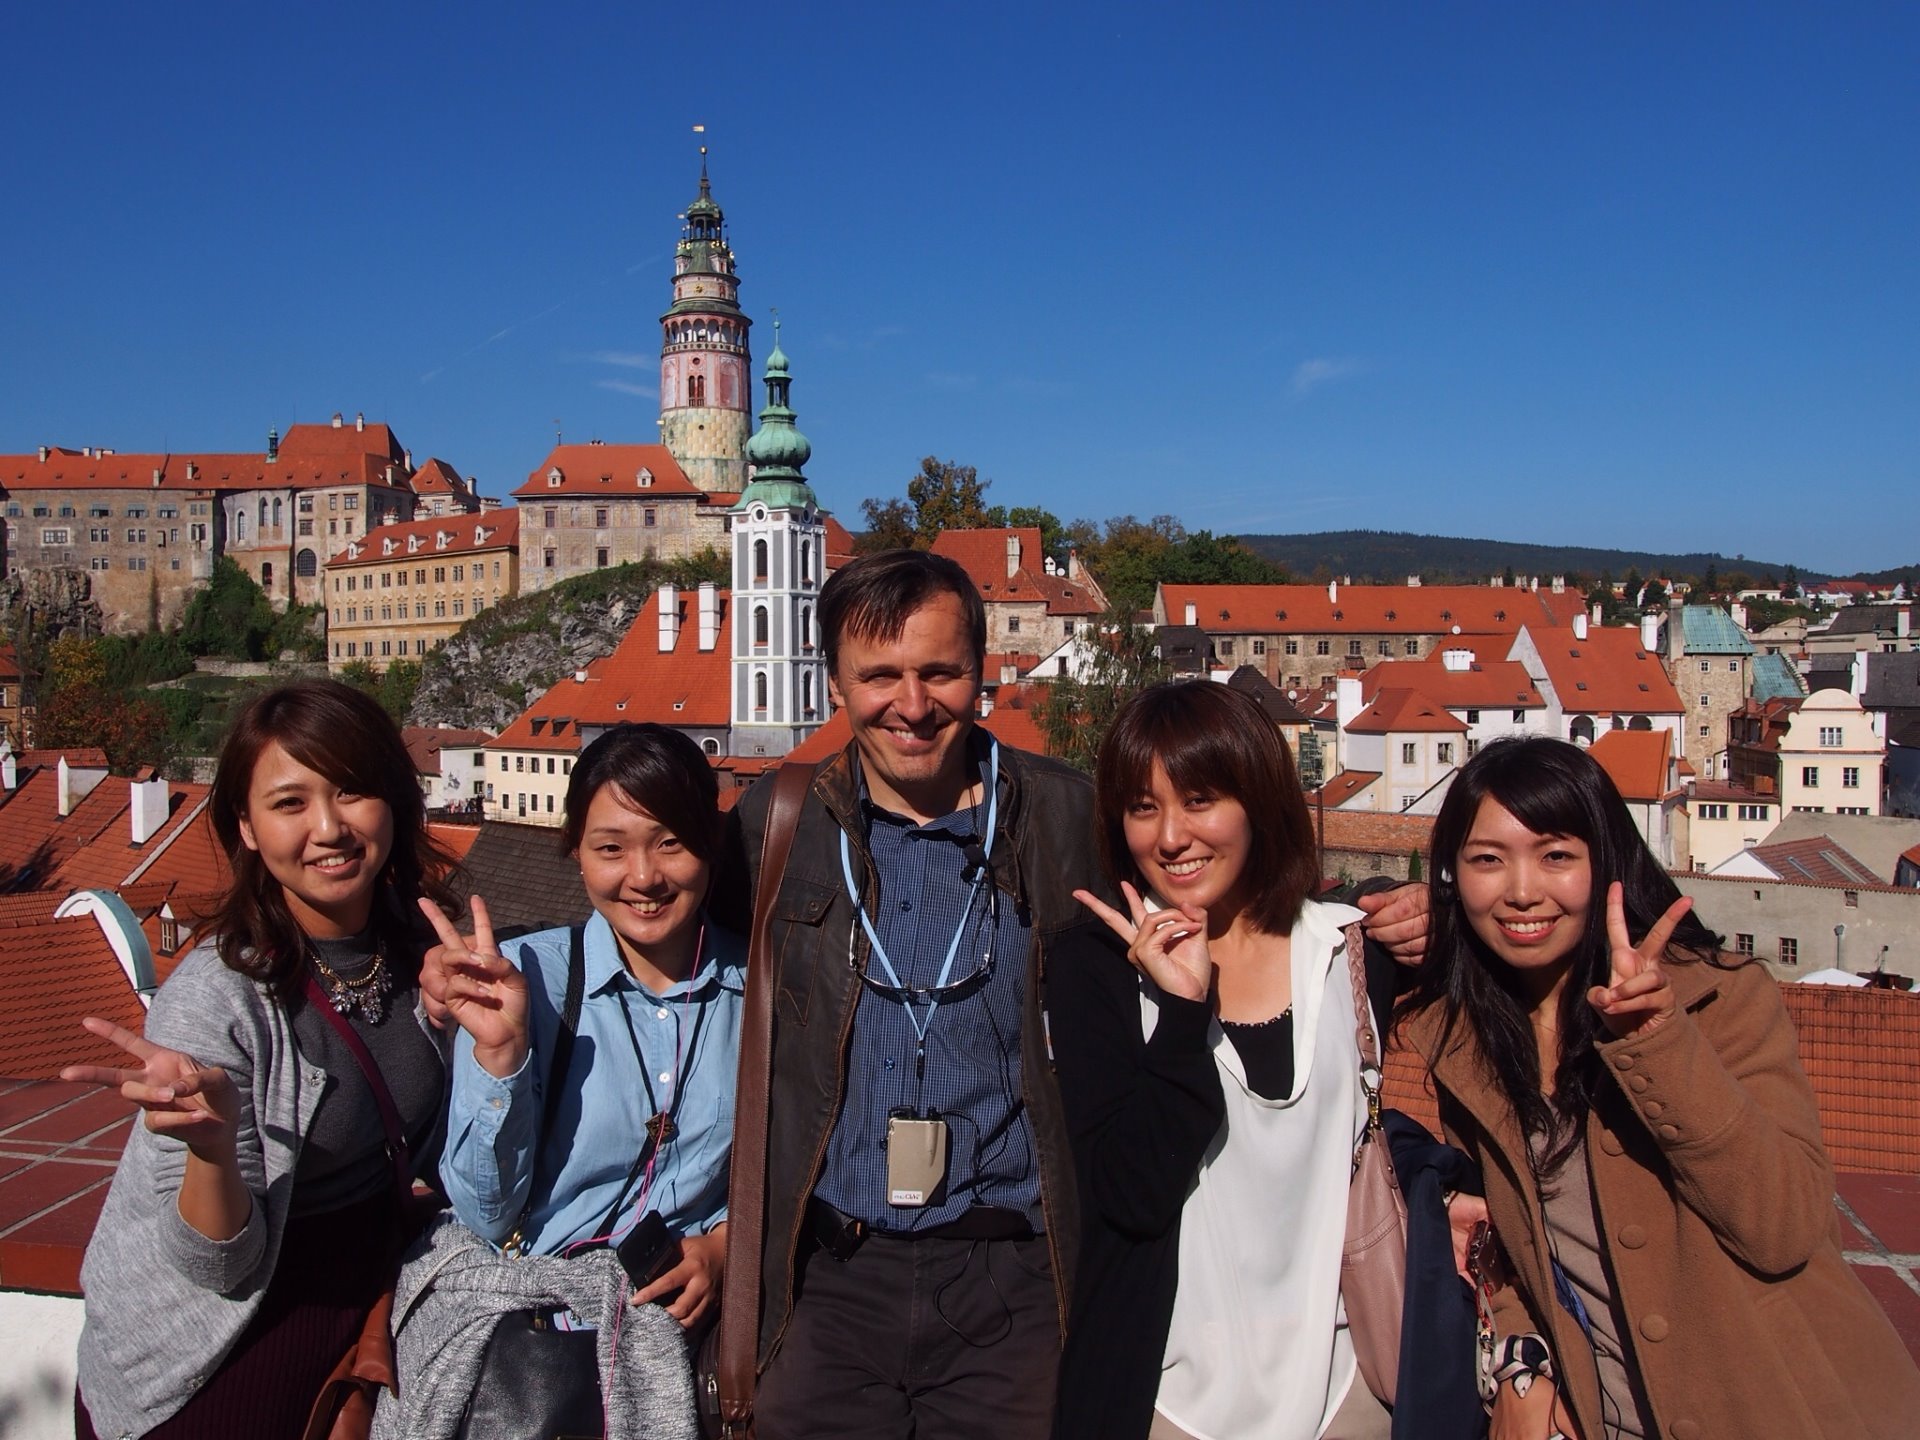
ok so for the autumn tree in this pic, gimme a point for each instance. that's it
(946, 495)
(1077, 711)
(79, 709)
(889, 527)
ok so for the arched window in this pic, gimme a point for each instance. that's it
(760, 627)
(696, 389)
(760, 692)
(239, 524)
(276, 512)
(1581, 731)
(760, 560)
(266, 576)
(806, 562)
(306, 564)
(806, 627)
(806, 692)
(1640, 722)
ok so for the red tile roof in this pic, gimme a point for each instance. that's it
(106, 861)
(686, 687)
(839, 546)
(1636, 761)
(1396, 711)
(1383, 834)
(597, 469)
(29, 907)
(193, 863)
(425, 742)
(1369, 609)
(456, 840)
(1817, 860)
(1342, 788)
(983, 555)
(1607, 672)
(9, 663)
(56, 973)
(36, 840)
(1736, 794)
(1484, 685)
(1015, 719)
(437, 477)
(296, 468)
(84, 757)
(466, 535)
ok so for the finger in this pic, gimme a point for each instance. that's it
(114, 1034)
(100, 1075)
(1647, 982)
(464, 991)
(1116, 922)
(1136, 905)
(1655, 945)
(482, 926)
(673, 1280)
(442, 926)
(483, 967)
(1617, 935)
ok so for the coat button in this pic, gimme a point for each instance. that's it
(1653, 1109)
(1669, 1132)
(1652, 1327)
(1639, 1084)
(1686, 1430)
(1623, 1061)
(1610, 1143)
(1633, 1237)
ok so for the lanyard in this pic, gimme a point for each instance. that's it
(922, 1024)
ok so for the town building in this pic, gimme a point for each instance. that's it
(1864, 626)
(1644, 766)
(400, 590)
(1034, 604)
(450, 764)
(594, 505)
(1710, 661)
(1830, 759)
(1597, 678)
(12, 697)
(705, 360)
(1724, 819)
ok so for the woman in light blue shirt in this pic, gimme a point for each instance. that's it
(642, 1119)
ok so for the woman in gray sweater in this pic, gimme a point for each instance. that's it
(290, 1090)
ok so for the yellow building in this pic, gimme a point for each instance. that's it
(400, 590)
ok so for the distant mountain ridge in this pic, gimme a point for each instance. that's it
(1388, 557)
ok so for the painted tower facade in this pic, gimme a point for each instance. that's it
(779, 556)
(705, 363)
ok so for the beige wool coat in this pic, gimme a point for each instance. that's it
(1715, 1206)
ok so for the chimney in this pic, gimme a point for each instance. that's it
(1559, 584)
(1496, 582)
(709, 615)
(406, 457)
(9, 771)
(148, 809)
(1456, 660)
(986, 703)
(359, 420)
(1013, 556)
(1599, 612)
(1738, 610)
(43, 454)
(1650, 633)
(193, 471)
(1193, 613)
(1676, 629)
(669, 618)
(65, 788)
(1857, 679)
(1347, 703)
(336, 420)
(156, 477)
(1903, 621)
(1333, 591)
(1073, 563)
(273, 446)
(1413, 582)
(1580, 625)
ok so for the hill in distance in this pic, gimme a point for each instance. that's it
(1385, 557)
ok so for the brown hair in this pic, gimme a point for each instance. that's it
(344, 735)
(1212, 740)
(659, 769)
(873, 598)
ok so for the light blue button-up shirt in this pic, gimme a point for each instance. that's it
(492, 1129)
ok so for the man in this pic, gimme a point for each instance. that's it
(921, 1215)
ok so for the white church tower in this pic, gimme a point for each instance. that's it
(779, 562)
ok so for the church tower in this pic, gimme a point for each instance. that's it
(779, 555)
(704, 360)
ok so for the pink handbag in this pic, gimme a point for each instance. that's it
(1373, 1261)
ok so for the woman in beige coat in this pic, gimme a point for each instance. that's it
(1650, 1144)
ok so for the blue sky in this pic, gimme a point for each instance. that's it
(1622, 274)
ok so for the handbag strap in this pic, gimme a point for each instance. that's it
(739, 1337)
(1368, 1038)
(397, 1149)
(556, 1072)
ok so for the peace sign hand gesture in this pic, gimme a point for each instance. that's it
(478, 987)
(193, 1102)
(1638, 998)
(1169, 947)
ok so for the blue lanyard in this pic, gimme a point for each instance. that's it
(920, 1024)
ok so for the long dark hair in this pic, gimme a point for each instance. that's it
(1212, 740)
(344, 735)
(1553, 788)
(659, 769)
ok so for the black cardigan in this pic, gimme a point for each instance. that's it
(1141, 1114)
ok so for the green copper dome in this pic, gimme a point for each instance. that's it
(778, 451)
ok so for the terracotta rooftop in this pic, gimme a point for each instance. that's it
(9, 663)
(1816, 859)
(437, 477)
(596, 469)
(1342, 788)
(1399, 711)
(1483, 685)
(1015, 719)
(1733, 794)
(1369, 609)
(462, 535)
(456, 840)
(1379, 834)
(310, 456)
(1637, 761)
(425, 742)
(59, 1144)
(83, 757)
(56, 972)
(1608, 672)
(106, 862)
(983, 555)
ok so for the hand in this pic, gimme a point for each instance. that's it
(479, 988)
(1464, 1213)
(1398, 919)
(1169, 947)
(1530, 1417)
(1638, 998)
(697, 1275)
(195, 1103)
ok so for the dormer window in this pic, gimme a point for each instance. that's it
(441, 539)
(539, 723)
(644, 479)
(387, 546)
(554, 477)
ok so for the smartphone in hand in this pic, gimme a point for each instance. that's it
(647, 1250)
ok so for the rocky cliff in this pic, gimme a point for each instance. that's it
(37, 607)
(502, 660)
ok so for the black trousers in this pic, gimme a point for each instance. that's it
(917, 1340)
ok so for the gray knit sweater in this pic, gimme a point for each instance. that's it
(454, 1286)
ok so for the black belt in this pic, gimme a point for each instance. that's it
(840, 1235)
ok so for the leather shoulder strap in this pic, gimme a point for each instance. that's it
(1363, 1030)
(739, 1338)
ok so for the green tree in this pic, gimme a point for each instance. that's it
(1791, 590)
(1053, 535)
(1654, 597)
(231, 617)
(946, 495)
(79, 708)
(1075, 714)
(76, 662)
(1712, 583)
(396, 687)
(889, 527)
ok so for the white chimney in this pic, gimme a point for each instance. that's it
(986, 703)
(1599, 612)
(1857, 680)
(1456, 659)
(9, 771)
(336, 420)
(1073, 563)
(1559, 584)
(360, 420)
(1413, 582)
(1193, 613)
(669, 618)
(65, 788)
(1347, 704)
(1903, 621)
(43, 454)
(1013, 555)
(1738, 610)
(1580, 625)
(579, 677)
(1650, 632)
(1333, 590)
(1676, 628)
(709, 615)
(148, 809)
(1496, 582)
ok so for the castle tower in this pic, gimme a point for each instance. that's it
(704, 359)
(779, 554)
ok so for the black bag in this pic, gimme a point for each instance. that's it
(536, 1383)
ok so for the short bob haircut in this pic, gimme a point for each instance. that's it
(657, 768)
(343, 734)
(875, 596)
(1212, 740)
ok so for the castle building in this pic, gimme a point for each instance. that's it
(400, 590)
(704, 358)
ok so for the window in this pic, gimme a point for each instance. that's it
(1519, 717)
(760, 691)
(1734, 666)
(1713, 812)
(1830, 737)
(352, 502)
(1849, 777)
(99, 534)
(136, 512)
(1743, 944)
(1704, 729)
(600, 518)
(1789, 950)
(419, 576)
(1752, 812)
(1852, 899)
(99, 562)
(519, 763)
(1386, 647)
(1226, 647)
(306, 527)
(1407, 753)
(546, 559)
(1293, 647)
(760, 627)
(439, 574)
(459, 573)
(1443, 752)
(760, 560)
(1810, 776)
(1259, 646)
(386, 647)
(138, 562)
(1353, 648)
(647, 517)
(1706, 700)
(503, 763)
(1323, 647)
(1705, 665)
(459, 606)
(550, 765)
(1013, 624)
(62, 536)
(1473, 748)
(548, 515)
(1413, 647)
